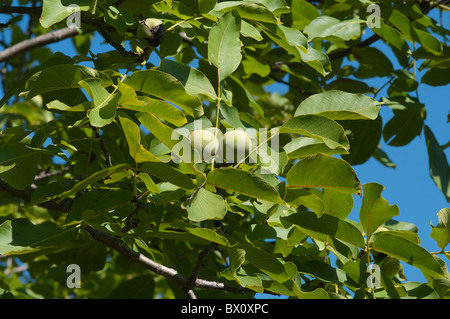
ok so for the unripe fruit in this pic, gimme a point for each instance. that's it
(205, 143)
(151, 32)
(236, 146)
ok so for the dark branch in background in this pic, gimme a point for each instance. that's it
(22, 64)
(46, 174)
(103, 146)
(190, 283)
(348, 51)
(20, 10)
(25, 195)
(36, 42)
(103, 30)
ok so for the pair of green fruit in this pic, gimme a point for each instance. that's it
(236, 141)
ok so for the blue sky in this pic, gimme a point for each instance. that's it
(408, 185)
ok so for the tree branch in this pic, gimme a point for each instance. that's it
(118, 245)
(56, 36)
(20, 10)
(36, 42)
(46, 174)
(103, 30)
(25, 195)
(198, 266)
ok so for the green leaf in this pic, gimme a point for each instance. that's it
(428, 41)
(20, 85)
(168, 173)
(157, 128)
(237, 259)
(375, 210)
(18, 165)
(289, 39)
(54, 11)
(151, 186)
(364, 137)
(243, 182)
(224, 46)
(402, 22)
(409, 252)
(205, 205)
(247, 10)
(383, 158)
(407, 123)
(209, 235)
(306, 197)
(60, 77)
(339, 105)
(20, 236)
(306, 146)
(140, 287)
(326, 225)
(441, 232)
(194, 81)
(265, 262)
(92, 179)
(436, 77)
(337, 204)
(324, 171)
(392, 37)
(303, 13)
(322, 271)
(320, 127)
(104, 103)
(204, 6)
(133, 137)
(161, 109)
(276, 6)
(438, 163)
(166, 87)
(372, 63)
(248, 30)
(325, 27)
(242, 98)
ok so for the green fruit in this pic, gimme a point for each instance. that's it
(204, 143)
(236, 146)
(390, 266)
(151, 32)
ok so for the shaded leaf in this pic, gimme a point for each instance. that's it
(20, 236)
(438, 163)
(441, 232)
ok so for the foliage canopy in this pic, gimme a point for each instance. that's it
(88, 175)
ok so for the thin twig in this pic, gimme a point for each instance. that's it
(20, 10)
(198, 266)
(104, 148)
(46, 174)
